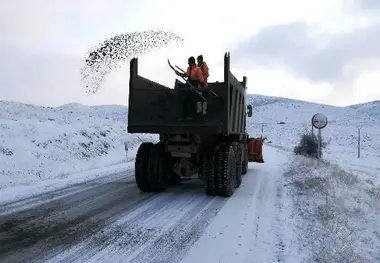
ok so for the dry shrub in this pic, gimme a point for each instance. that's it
(320, 190)
(308, 146)
(374, 193)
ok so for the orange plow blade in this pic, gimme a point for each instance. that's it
(255, 150)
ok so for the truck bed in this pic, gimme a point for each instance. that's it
(154, 108)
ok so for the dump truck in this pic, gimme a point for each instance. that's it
(202, 132)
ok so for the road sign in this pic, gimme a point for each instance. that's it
(319, 121)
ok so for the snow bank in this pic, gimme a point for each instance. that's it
(336, 212)
(39, 143)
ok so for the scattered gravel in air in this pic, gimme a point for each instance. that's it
(114, 52)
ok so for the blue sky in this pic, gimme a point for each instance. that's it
(323, 51)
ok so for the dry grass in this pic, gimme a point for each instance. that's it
(329, 206)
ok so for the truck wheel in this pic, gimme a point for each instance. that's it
(157, 168)
(244, 168)
(245, 162)
(238, 175)
(141, 164)
(238, 155)
(208, 171)
(226, 172)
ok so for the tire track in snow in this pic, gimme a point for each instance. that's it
(29, 235)
(173, 244)
(280, 246)
(250, 227)
(231, 236)
(108, 221)
(160, 231)
(245, 230)
(38, 199)
(268, 246)
(133, 225)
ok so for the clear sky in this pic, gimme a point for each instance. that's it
(323, 51)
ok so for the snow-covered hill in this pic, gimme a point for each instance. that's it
(37, 143)
(341, 131)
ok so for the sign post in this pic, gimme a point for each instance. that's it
(359, 142)
(319, 121)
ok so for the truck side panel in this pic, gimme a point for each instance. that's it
(235, 104)
(150, 103)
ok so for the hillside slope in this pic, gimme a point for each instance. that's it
(341, 131)
(38, 143)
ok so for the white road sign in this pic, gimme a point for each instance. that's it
(319, 121)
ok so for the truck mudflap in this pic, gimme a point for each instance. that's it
(255, 150)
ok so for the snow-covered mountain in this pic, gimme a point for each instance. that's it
(38, 143)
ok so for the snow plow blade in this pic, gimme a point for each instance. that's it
(255, 150)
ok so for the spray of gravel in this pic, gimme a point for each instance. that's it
(116, 51)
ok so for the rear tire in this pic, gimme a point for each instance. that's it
(238, 155)
(141, 166)
(226, 171)
(244, 169)
(208, 171)
(158, 168)
(238, 175)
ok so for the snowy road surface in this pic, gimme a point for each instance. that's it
(109, 220)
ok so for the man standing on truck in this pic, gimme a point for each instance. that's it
(195, 78)
(203, 66)
(205, 71)
(193, 73)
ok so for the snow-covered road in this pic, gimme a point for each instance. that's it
(254, 224)
(109, 220)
